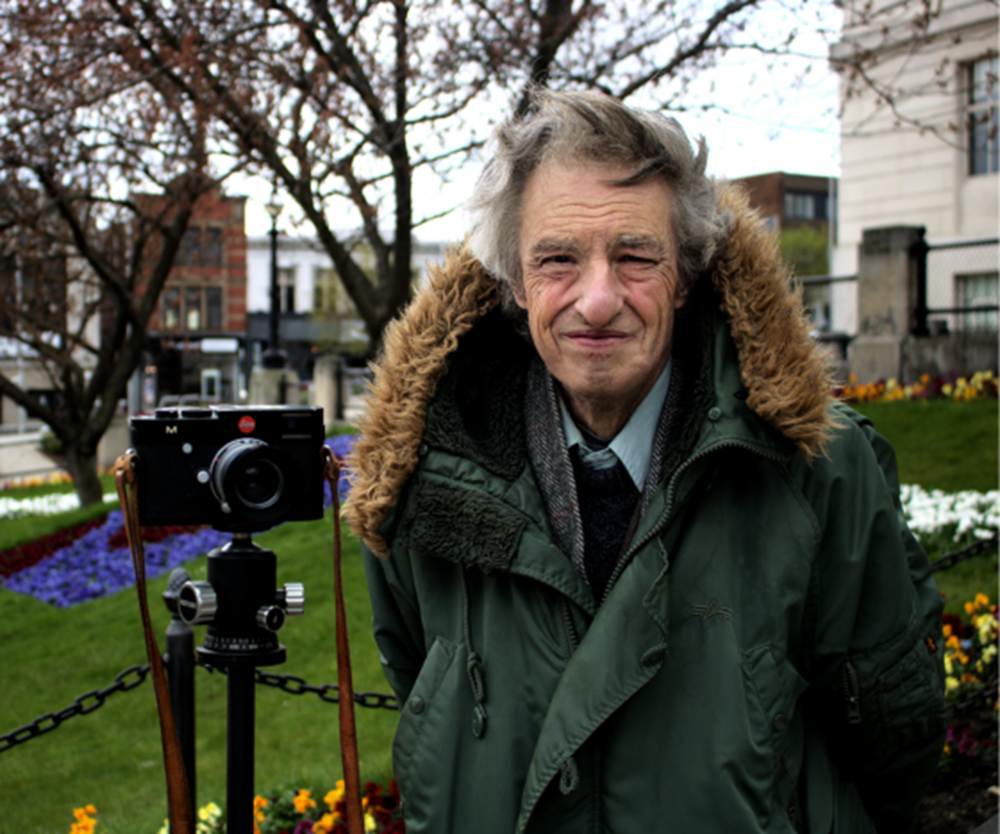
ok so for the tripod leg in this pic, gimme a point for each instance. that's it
(239, 750)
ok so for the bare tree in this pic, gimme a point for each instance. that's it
(99, 172)
(351, 107)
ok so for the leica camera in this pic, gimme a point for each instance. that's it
(239, 469)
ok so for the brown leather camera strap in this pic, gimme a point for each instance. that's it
(178, 798)
(348, 728)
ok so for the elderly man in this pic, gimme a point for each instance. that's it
(633, 570)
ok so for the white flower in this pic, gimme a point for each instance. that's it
(54, 502)
(927, 511)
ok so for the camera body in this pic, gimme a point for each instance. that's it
(239, 469)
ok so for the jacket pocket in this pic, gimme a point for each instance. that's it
(423, 731)
(772, 691)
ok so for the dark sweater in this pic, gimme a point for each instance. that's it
(608, 499)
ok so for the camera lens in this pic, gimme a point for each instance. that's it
(249, 480)
(259, 484)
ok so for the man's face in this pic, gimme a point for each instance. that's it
(599, 267)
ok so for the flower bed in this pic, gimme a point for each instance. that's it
(51, 504)
(961, 795)
(98, 562)
(22, 556)
(981, 385)
(960, 516)
(289, 811)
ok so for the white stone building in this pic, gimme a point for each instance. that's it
(316, 312)
(928, 157)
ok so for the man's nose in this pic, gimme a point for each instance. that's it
(600, 298)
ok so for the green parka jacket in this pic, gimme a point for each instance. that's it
(766, 659)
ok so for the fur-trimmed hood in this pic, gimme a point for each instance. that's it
(785, 374)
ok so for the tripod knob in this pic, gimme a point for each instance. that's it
(270, 617)
(197, 603)
(293, 598)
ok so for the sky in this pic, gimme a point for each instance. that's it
(766, 118)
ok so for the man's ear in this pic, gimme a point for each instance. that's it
(517, 290)
(681, 296)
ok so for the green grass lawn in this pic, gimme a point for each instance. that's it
(112, 758)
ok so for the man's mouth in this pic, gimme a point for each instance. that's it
(597, 338)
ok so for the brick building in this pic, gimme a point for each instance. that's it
(787, 200)
(197, 336)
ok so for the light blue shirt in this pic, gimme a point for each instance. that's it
(633, 445)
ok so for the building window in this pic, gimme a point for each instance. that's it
(192, 308)
(201, 308)
(805, 205)
(981, 116)
(201, 246)
(978, 290)
(325, 290)
(213, 308)
(286, 289)
(171, 309)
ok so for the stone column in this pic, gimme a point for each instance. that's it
(887, 279)
(326, 392)
(274, 386)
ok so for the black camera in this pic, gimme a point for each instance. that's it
(240, 469)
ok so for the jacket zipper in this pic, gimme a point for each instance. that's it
(852, 697)
(655, 529)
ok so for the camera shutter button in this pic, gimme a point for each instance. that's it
(203, 476)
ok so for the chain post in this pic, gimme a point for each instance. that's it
(180, 665)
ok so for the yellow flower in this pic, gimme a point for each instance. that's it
(969, 608)
(369, 823)
(334, 796)
(946, 629)
(209, 812)
(950, 683)
(982, 599)
(325, 824)
(303, 801)
(948, 664)
(259, 804)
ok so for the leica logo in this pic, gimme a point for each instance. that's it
(170, 429)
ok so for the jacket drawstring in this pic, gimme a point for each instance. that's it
(474, 668)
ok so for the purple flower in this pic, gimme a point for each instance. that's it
(90, 568)
(341, 444)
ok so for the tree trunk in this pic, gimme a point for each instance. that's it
(82, 464)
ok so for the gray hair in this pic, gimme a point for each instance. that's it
(592, 127)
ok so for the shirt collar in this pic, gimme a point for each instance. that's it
(633, 445)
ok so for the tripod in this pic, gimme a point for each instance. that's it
(243, 612)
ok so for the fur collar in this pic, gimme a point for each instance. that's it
(783, 370)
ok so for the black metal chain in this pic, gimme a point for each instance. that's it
(84, 705)
(329, 692)
(974, 549)
(134, 676)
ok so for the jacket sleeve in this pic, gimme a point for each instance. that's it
(877, 661)
(396, 622)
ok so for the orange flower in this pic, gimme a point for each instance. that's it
(303, 801)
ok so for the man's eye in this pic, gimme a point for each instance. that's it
(556, 260)
(637, 259)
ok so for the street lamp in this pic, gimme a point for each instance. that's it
(274, 358)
